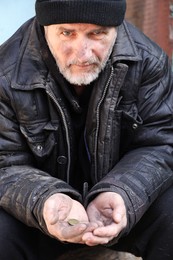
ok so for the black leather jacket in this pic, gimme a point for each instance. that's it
(128, 134)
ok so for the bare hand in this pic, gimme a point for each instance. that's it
(109, 212)
(58, 209)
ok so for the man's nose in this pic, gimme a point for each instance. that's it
(83, 50)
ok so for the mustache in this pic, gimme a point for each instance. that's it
(90, 61)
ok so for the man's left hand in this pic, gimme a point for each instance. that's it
(109, 212)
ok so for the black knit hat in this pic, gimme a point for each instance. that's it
(101, 12)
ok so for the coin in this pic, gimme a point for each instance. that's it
(73, 221)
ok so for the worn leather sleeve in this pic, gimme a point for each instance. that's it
(24, 190)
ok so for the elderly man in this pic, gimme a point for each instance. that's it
(86, 135)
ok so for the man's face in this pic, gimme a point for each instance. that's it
(80, 50)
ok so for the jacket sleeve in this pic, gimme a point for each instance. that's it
(23, 187)
(146, 169)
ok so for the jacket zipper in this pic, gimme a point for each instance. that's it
(98, 123)
(66, 131)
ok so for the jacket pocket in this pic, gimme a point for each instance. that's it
(40, 138)
(130, 122)
(130, 116)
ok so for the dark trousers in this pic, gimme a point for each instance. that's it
(151, 238)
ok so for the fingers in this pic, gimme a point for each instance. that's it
(91, 240)
(64, 232)
(116, 223)
(69, 233)
(111, 230)
(73, 234)
(102, 235)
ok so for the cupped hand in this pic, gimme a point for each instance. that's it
(58, 210)
(108, 211)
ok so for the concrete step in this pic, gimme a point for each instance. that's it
(97, 253)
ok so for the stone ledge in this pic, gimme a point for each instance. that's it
(97, 253)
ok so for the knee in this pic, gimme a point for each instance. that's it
(8, 250)
(162, 210)
(17, 241)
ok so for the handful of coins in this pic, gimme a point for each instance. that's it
(73, 222)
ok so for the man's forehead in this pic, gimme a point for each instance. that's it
(80, 26)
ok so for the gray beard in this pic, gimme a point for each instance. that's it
(85, 78)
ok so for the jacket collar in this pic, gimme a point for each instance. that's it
(125, 48)
(31, 72)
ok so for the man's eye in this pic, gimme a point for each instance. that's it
(97, 32)
(100, 32)
(98, 35)
(66, 33)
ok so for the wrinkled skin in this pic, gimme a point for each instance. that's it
(109, 212)
(103, 219)
(58, 209)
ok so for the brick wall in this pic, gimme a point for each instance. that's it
(153, 18)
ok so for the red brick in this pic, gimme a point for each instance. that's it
(153, 18)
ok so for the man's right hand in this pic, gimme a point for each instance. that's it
(58, 210)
